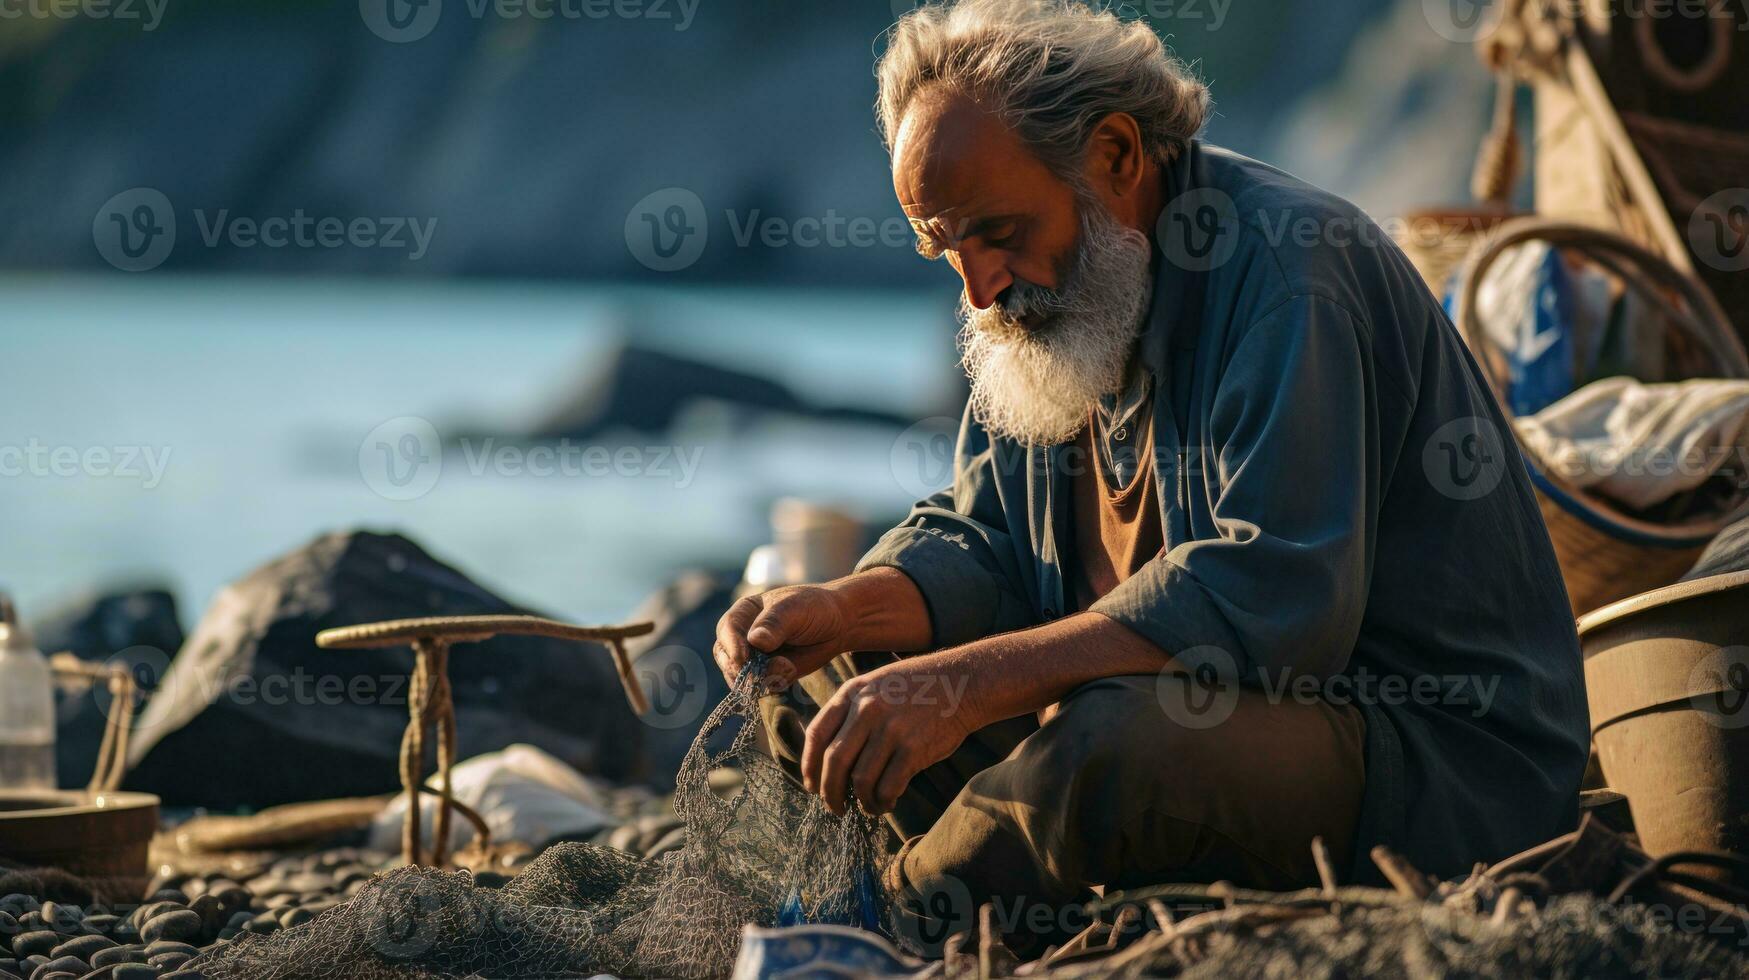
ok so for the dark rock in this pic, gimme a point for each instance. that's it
(98, 626)
(644, 390)
(328, 723)
(675, 667)
(134, 971)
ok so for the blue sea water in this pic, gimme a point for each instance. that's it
(255, 397)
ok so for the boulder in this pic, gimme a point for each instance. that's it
(251, 713)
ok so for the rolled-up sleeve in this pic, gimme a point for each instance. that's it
(1282, 585)
(958, 548)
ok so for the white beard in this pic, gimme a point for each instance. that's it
(1038, 388)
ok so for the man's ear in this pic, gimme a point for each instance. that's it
(1116, 160)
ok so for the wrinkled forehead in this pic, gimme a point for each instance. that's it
(953, 161)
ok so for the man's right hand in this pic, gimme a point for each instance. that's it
(803, 625)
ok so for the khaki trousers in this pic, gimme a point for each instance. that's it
(1132, 780)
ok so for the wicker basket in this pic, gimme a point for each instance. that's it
(1606, 554)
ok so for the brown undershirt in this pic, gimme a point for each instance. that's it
(1117, 531)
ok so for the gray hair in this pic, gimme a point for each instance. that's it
(1051, 69)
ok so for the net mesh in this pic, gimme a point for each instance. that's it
(769, 855)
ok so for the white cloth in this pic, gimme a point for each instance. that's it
(1641, 444)
(523, 793)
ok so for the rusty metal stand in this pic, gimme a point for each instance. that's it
(429, 705)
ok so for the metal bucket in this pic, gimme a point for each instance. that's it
(1667, 675)
(104, 837)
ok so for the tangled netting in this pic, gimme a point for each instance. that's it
(770, 855)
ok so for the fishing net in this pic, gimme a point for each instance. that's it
(769, 855)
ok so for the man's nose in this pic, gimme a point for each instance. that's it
(986, 277)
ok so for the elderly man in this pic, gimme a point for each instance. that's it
(1239, 551)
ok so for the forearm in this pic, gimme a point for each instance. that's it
(886, 611)
(1021, 672)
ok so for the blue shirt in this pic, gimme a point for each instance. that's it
(1345, 511)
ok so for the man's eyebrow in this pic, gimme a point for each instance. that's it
(927, 237)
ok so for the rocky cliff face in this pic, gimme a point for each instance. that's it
(522, 145)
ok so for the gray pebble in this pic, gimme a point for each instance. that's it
(134, 971)
(81, 946)
(169, 946)
(118, 954)
(64, 964)
(100, 925)
(175, 924)
(169, 961)
(28, 944)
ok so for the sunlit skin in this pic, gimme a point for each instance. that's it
(980, 199)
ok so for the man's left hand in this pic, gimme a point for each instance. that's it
(881, 729)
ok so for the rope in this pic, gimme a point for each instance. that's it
(431, 704)
(1502, 153)
(112, 752)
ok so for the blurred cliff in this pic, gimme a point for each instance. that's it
(529, 139)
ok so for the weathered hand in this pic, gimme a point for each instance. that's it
(881, 729)
(804, 626)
